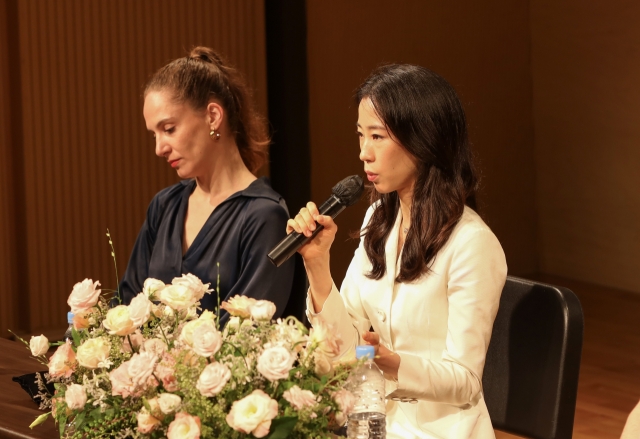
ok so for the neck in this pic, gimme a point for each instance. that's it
(227, 173)
(405, 208)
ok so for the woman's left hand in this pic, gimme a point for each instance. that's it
(387, 360)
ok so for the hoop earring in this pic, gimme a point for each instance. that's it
(214, 135)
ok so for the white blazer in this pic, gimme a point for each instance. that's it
(439, 325)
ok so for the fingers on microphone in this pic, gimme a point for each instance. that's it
(313, 209)
(292, 226)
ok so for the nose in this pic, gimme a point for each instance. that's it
(365, 152)
(162, 148)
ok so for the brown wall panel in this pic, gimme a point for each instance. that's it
(586, 65)
(89, 163)
(483, 50)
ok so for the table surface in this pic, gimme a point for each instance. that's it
(17, 409)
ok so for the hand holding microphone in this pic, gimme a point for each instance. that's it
(344, 194)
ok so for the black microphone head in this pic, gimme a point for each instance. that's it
(349, 190)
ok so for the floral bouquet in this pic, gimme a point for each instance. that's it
(155, 369)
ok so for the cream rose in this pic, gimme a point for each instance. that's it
(275, 363)
(253, 414)
(140, 310)
(39, 345)
(184, 426)
(146, 422)
(299, 398)
(169, 403)
(94, 353)
(177, 297)
(345, 400)
(118, 321)
(207, 340)
(84, 295)
(193, 283)
(75, 396)
(239, 306)
(63, 361)
(206, 318)
(213, 379)
(262, 310)
(324, 337)
(151, 287)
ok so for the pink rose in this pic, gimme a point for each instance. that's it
(322, 365)
(141, 367)
(39, 345)
(84, 295)
(239, 306)
(75, 396)
(345, 400)
(140, 310)
(193, 283)
(156, 346)
(184, 426)
(213, 379)
(253, 414)
(166, 372)
(275, 363)
(137, 339)
(299, 398)
(207, 340)
(121, 382)
(146, 422)
(262, 310)
(63, 361)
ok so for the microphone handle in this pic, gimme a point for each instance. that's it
(294, 240)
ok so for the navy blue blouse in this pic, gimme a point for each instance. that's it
(238, 235)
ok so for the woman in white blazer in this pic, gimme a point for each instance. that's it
(428, 273)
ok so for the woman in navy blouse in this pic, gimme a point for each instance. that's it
(220, 217)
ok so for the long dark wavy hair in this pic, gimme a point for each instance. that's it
(422, 112)
(203, 75)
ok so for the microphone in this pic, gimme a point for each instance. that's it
(343, 194)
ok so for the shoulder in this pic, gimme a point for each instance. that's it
(264, 203)
(472, 232)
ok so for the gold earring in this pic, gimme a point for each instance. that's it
(214, 135)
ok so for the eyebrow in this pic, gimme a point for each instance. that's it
(372, 127)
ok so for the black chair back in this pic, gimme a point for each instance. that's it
(530, 378)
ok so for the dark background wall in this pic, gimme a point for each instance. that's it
(550, 91)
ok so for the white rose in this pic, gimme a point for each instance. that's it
(253, 414)
(207, 340)
(184, 426)
(262, 310)
(93, 353)
(213, 379)
(152, 286)
(141, 367)
(206, 318)
(275, 363)
(118, 321)
(299, 398)
(84, 295)
(193, 283)
(169, 402)
(324, 337)
(178, 297)
(39, 345)
(140, 310)
(75, 396)
(345, 400)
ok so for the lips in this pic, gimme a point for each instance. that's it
(371, 176)
(174, 163)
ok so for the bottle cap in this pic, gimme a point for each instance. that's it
(70, 317)
(365, 351)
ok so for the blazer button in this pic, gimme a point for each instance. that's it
(381, 315)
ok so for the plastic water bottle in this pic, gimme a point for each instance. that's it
(368, 419)
(68, 334)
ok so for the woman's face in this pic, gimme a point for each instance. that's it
(387, 164)
(181, 134)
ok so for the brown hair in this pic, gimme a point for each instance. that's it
(423, 112)
(203, 75)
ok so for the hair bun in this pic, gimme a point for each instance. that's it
(205, 54)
